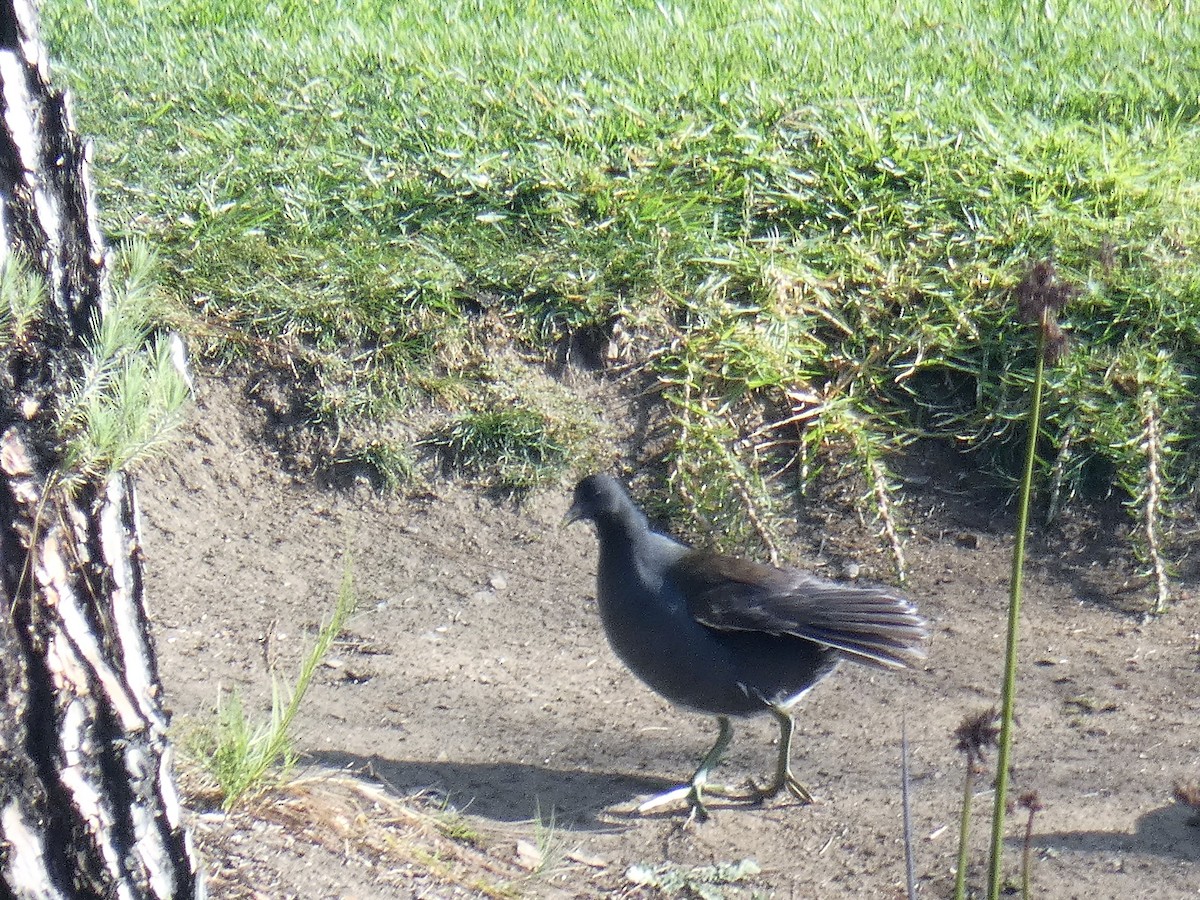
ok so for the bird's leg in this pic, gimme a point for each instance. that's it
(700, 778)
(783, 766)
(694, 791)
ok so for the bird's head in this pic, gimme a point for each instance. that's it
(597, 497)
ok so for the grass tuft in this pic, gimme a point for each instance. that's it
(245, 757)
(391, 462)
(130, 397)
(21, 297)
(510, 448)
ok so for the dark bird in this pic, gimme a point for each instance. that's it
(728, 636)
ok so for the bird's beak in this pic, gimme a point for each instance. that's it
(574, 514)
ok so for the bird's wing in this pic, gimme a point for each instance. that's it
(873, 624)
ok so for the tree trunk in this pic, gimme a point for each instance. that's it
(88, 805)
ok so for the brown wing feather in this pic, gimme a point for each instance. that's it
(873, 624)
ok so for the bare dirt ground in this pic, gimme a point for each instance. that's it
(475, 677)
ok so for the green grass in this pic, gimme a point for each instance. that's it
(511, 447)
(21, 297)
(808, 213)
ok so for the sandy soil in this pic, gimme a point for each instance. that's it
(475, 676)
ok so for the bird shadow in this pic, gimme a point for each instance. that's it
(1166, 831)
(506, 792)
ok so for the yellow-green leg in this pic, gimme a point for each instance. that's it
(694, 790)
(783, 765)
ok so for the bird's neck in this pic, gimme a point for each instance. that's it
(633, 558)
(622, 530)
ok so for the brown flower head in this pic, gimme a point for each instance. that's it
(976, 734)
(1041, 296)
(1056, 342)
(1030, 801)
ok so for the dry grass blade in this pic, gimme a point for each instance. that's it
(1152, 446)
(337, 809)
(884, 504)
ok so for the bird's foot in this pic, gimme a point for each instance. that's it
(697, 811)
(666, 798)
(788, 781)
(693, 794)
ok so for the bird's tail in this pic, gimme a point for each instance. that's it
(870, 624)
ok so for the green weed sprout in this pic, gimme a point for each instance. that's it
(242, 755)
(21, 293)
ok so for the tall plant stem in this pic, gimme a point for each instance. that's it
(964, 832)
(1009, 693)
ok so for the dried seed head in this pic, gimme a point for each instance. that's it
(976, 734)
(1041, 296)
(1041, 291)
(1030, 291)
(1056, 343)
(1030, 801)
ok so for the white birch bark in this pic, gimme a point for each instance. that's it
(88, 805)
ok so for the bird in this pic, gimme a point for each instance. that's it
(728, 636)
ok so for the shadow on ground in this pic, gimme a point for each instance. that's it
(1162, 832)
(504, 792)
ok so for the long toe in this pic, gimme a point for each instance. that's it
(756, 794)
(692, 794)
(772, 790)
(799, 791)
(684, 791)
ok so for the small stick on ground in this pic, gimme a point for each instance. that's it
(910, 868)
(1152, 444)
